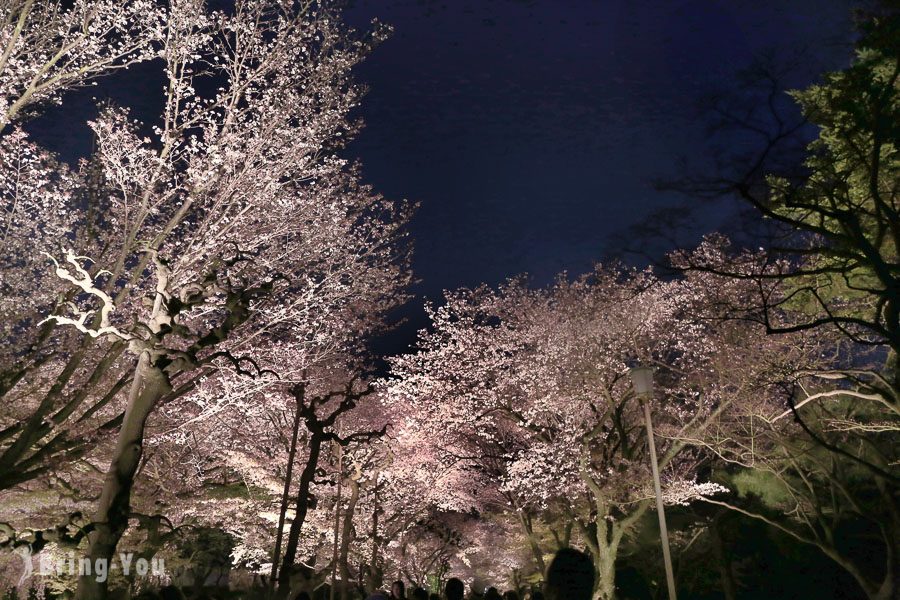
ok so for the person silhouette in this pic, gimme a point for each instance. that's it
(454, 590)
(398, 591)
(419, 594)
(492, 594)
(570, 576)
(170, 592)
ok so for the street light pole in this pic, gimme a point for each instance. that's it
(642, 379)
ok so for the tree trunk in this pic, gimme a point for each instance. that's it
(286, 494)
(346, 539)
(890, 587)
(317, 436)
(375, 576)
(339, 451)
(111, 518)
(603, 545)
(605, 566)
(726, 574)
(536, 551)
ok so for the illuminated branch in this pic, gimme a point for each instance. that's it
(82, 279)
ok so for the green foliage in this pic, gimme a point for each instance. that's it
(762, 485)
(233, 490)
(848, 199)
(203, 551)
(434, 583)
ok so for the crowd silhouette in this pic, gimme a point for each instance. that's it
(570, 576)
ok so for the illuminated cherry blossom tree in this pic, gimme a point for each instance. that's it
(544, 374)
(49, 47)
(216, 252)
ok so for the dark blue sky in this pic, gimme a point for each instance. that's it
(530, 131)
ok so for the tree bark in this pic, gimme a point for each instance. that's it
(346, 537)
(286, 494)
(726, 574)
(317, 436)
(605, 565)
(111, 519)
(339, 451)
(536, 551)
(375, 576)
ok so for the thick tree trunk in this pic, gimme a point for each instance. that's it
(317, 436)
(111, 518)
(605, 565)
(339, 452)
(536, 551)
(375, 575)
(346, 539)
(286, 494)
(603, 544)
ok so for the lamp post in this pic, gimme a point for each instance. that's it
(642, 380)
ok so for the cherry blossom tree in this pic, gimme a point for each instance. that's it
(547, 371)
(805, 434)
(226, 461)
(225, 243)
(49, 47)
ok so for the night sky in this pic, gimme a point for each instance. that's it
(530, 131)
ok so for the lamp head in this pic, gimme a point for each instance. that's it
(642, 380)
